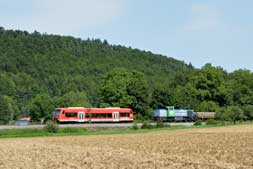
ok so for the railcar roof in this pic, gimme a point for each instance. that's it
(80, 108)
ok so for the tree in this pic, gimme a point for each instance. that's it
(162, 96)
(186, 97)
(207, 82)
(7, 86)
(26, 87)
(233, 114)
(207, 106)
(8, 108)
(122, 88)
(41, 106)
(225, 95)
(137, 89)
(75, 99)
(242, 86)
(248, 112)
(114, 89)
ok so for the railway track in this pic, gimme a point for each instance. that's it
(86, 125)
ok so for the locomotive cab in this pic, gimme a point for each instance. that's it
(56, 114)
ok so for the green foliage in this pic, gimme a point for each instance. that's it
(141, 118)
(220, 113)
(41, 107)
(212, 122)
(72, 99)
(146, 125)
(71, 71)
(137, 89)
(162, 96)
(39, 72)
(51, 127)
(72, 130)
(208, 106)
(241, 87)
(160, 124)
(8, 108)
(248, 112)
(7, 86)
(135, 126)
(113, 90)
(22, 132)
(198, 123)
(233, 114)
(186, 96)
(123, 88)
(222, 122)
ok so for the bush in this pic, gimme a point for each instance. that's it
(198, 123)
(211, 122)
(146, 125)
(140, 118)
(2, 122)
(167, 125)
(51, 127)
(222, 122)
(135, 126)
(159, 124)
(12, 122)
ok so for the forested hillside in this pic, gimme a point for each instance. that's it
(68, 71)
(39, 72)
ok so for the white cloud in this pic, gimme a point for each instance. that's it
(66, 16)
(204, 17)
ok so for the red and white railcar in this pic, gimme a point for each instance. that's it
(81, 114)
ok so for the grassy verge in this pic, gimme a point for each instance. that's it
(12, 133)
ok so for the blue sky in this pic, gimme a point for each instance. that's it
(197, 31)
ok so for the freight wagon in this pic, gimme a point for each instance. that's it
(205, 115)
(81, 114)
(169, 113)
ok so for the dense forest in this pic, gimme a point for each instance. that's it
(39, 72)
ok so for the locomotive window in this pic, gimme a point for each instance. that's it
(57, 112)
(124, 114)
(101, 115)
(70, 114)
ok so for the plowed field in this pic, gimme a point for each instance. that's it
(222, 147)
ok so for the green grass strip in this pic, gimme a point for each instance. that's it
(14, 133)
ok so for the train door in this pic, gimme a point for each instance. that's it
(115, 116)
(80, 116)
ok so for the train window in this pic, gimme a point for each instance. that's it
(101, 115)
(124, 114)
(71, 114)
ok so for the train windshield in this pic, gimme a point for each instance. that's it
(56, 113)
